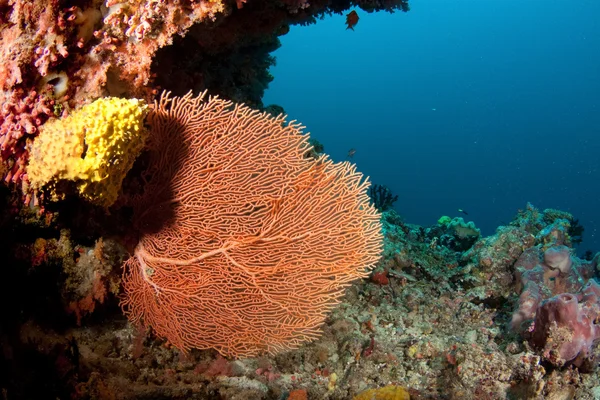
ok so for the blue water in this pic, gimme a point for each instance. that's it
(478, 105)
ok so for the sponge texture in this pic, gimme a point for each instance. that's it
(93, 148)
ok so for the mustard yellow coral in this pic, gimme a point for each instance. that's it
(93, 148)
(390, 392)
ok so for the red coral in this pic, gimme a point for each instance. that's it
(380, 278)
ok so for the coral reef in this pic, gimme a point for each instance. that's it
(490, 263)
(437, 325)
(454, 233)
(445, 314)
(93, 148)
(551, 226)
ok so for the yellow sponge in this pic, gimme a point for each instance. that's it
(390, 392)
(94, 148)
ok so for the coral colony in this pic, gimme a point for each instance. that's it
(255, 246)
(234, 246)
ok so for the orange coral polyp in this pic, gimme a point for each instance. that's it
(246, 244)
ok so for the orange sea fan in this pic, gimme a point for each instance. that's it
(246, 243)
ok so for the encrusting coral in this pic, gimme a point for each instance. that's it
(246, 244)
(93, 148)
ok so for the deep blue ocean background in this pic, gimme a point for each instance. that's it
(482, 105)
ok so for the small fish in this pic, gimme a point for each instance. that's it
(463, 211)
(351, 19)
(351, 153)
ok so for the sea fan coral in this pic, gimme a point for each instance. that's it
(246, 243)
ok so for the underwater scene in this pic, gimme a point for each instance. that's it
(299, 200)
